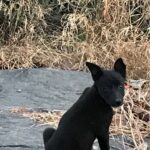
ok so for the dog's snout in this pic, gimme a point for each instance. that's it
(118, 103)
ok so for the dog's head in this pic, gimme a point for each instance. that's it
(110, 83)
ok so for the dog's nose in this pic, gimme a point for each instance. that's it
(118, 102)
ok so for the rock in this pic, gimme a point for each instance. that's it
(17, 133)
(44, 88)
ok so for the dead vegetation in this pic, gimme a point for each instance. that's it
(65, 34)
(133, 118)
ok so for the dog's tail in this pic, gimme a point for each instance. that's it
(47, 134)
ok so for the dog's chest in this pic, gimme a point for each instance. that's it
(102, 117)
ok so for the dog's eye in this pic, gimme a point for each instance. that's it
(105, 89)
(120, 86)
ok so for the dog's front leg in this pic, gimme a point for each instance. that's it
(104, 142)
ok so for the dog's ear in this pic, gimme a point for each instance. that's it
(120, 67)
(95, 70)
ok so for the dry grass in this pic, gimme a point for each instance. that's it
(59, 36)
(51, 118)
(133, 118)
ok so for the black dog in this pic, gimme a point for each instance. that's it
(90, 117)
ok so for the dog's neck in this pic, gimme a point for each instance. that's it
(99, 98)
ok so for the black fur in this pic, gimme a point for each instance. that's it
(90, 117)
